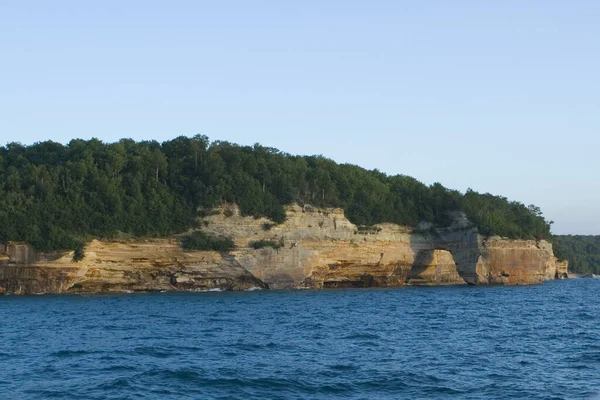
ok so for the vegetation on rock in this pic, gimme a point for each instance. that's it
(582, 252)
(199, 240)
(55, 196)
(260, 244)
(78, 253)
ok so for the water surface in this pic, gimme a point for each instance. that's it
(441, 342)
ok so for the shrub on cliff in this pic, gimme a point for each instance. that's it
(79, 252)
(260, 244)
(199, 240)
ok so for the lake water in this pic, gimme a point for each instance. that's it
(440, 342)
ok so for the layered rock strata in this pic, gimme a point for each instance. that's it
(314, 248)
(122, 267)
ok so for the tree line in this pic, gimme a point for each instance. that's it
(582, 252)
(57, 196)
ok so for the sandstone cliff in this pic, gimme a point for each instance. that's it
(110, 266)
(317, 248)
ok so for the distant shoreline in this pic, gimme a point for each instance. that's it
(576, 275)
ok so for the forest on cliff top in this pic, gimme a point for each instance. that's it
(56, 196)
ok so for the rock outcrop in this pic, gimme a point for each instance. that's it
(122, 267)
(322, 249)
(315, 248)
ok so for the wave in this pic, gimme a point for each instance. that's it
(72, 353)
(362, 336)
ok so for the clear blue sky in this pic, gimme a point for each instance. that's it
(502, 97)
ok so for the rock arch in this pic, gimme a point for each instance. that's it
(434, 267)
(446, 256)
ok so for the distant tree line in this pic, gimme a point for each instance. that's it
(582, 252)
(56, 196)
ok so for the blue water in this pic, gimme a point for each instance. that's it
(444, 342)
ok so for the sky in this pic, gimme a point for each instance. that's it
(501, 97)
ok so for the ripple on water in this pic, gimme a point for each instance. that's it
(344, 367)
(362, 336)
(71, 353)
(156, 352)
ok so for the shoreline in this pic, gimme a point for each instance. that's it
(281, 290)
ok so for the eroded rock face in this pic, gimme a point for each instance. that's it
(320, 248)
(562, 268)
(519, 262)
(120, 267)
